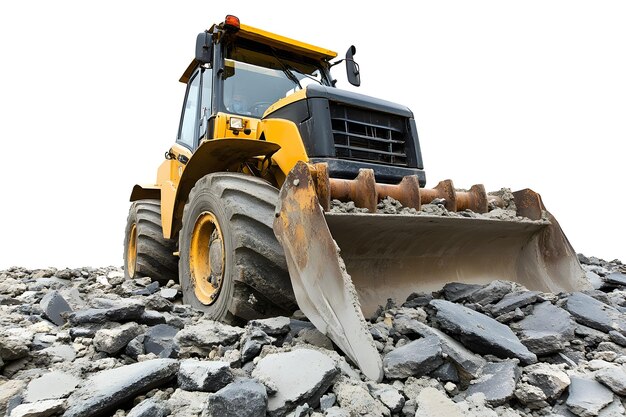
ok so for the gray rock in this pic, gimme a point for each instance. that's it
(53, 306)
(89, 315)
(314, 337)
(148, 408)
(467, 363)
(497, 382)
(244, 397)
(169, 293)
(126, 309)
(15, 343)
(9, 390)
(417, 300)
(113, 340)
(615, 409)
(388, 395)
(302, 411)
(516, 315)
(253, 342)
(187, 403)
(134, 348)
(492, 293)
(549, 379)
(327, 401)
(160, 340)
(315, 373)
(614, 378)
(337, 412)
(547, 330)
(43, 408)
(480, 333)
(433, 403)
(275, 326)
(514, 300)
(207, 376)
(446, 373)
(595, 280)
(354, 398)
(616, 278)
(618, 338)
(152, 318)
(531, 396)
(417, 358)
(458, 291)
(587, 397)
(105, 390)
(202, 337)
(595, 314)
(51, 386)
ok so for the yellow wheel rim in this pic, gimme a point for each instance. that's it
(206, 258)
(131, 254)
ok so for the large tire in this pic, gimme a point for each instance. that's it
(245, 268)
(146, 252)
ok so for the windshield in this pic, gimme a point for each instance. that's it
(250, 89)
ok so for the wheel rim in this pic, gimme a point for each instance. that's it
(206, 258)
(131, 254)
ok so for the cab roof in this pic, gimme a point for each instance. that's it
(277, 41)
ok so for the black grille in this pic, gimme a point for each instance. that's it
(367, 135)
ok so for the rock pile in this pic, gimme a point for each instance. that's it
(86, 342)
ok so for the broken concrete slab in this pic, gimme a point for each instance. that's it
(254, 340)
(206, 334)
(159, 340)
(614, 378)
(491, 293)
(547, 330)
(467, 363)
(616, 278)
(388, 395)
(354, 398)
(149, 408)
(514, 300)
(107, 389)
(54, 307)
(42, 408)
(243, 397)
(587, 397)
(549, 378)
(480, 333)
(595, 314)
(433, 403)
(274, 326)
(459, 291)
(53, 385)
(114, 340)
(315, 374)
(206, 376)
(497, 382)
(417, 358)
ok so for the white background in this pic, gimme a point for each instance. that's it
(509, 94)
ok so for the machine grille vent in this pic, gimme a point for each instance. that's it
(367, 135)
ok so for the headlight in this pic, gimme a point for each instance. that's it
(236, 123)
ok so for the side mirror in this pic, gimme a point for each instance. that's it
(204, 48)
(354, 75)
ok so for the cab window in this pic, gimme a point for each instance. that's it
(186, 134)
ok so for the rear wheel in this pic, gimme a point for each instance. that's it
(146, 252)
(231, 265)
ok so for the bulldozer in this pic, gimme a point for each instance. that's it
(246, 211)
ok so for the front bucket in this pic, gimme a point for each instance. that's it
(382, 256)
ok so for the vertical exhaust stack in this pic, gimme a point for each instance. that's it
(343, 265)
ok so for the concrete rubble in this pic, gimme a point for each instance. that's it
(86, 342)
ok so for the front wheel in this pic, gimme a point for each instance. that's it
(231, 266)
(146, 252)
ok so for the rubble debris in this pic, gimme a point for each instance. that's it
(283, 366)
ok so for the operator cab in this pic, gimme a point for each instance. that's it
(238, 73)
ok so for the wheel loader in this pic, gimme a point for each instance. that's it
(246, 208)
